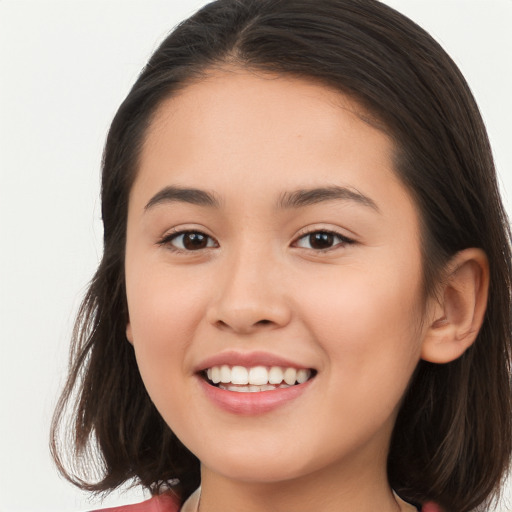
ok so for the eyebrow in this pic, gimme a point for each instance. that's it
(184, 195)
(288, 200)
(306, 197)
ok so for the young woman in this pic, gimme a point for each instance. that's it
(304, 298)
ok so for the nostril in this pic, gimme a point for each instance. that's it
(247, 316)
(221, 324)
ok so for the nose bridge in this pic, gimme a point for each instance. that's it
(250, 295)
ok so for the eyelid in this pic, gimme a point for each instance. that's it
(345, 240)
(171, 235)
(174, 233)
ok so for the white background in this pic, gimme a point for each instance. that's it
(65, 68)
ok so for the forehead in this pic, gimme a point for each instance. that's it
(221, 88)
(238, 130)
(239, 111)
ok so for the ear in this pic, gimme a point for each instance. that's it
(129, 335)
(459, 310)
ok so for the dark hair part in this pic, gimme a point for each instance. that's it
(452, 439)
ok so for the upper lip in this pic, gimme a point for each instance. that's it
(248, 360)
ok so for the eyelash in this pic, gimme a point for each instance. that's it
(343, 240)
(169, 238)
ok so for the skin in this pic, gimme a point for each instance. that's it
(355, 313)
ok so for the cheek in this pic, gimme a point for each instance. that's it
(164, 311)
(162, 319)
(368, 319)
(163, 303)
(371, 339)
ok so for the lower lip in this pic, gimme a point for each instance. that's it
(249, 404)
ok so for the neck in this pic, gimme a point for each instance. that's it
(323, 491)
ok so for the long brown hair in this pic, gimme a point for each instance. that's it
(452, 439)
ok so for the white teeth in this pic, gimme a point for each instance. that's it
(215, 378)
(256, 378)
(275, 375)
(258, 375)
(252, 389)
(239, 375)
(239, 389)
(290, 374)
(225, 374)
(303, 375)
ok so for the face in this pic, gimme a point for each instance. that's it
(269, 241)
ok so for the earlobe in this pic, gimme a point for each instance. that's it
(129, 336)
(459, 312)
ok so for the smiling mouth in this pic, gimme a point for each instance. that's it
(255, 379)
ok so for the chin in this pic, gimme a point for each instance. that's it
(259, 466)
(265, 473)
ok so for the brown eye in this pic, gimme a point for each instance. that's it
(322, 240)
(190, 241)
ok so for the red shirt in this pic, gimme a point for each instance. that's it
(166, 503)
(163, 503)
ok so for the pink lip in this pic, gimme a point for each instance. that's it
(250, 404)
(249, 359)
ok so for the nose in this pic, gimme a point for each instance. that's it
(250, 295)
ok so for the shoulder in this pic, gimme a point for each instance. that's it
(163, 503)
